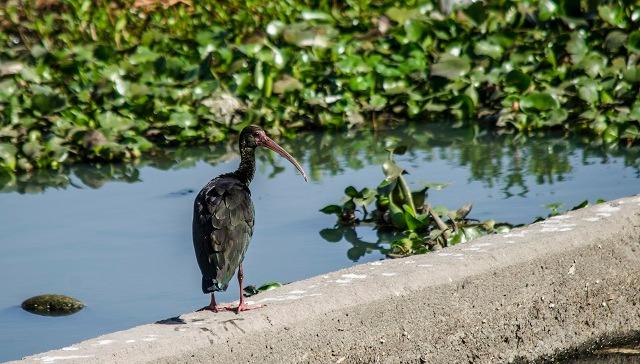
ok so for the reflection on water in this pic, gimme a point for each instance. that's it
(359, 247)
(118, 237)
(493, 159)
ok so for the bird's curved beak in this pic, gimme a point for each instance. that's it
(269, 143)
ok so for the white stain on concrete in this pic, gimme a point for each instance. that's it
(603, 214)
(425, 265)
(554, 229)
(70, 348)
(104, 342)
(53, 359)
(298, 291)
(608, 208)
(560, 217)
(389, 274)
(555, 225)
(150, 339)
(376, 263)
(510, 242)
(520, 234)
(410, 262)
(132, 341)
(472, 249)
(591, 219)
(343, 281)
(354, 276)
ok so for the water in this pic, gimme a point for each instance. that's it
(119, 237)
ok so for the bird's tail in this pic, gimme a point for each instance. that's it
(210, 285)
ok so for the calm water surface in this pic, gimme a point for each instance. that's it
(119, 237)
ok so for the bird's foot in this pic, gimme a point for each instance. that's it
(244, 307)
(215, 309)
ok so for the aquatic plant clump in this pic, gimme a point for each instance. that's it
(87, 81)
(422, 227)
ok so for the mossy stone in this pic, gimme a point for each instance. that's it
(52, 305)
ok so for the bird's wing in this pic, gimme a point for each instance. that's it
(222, 228)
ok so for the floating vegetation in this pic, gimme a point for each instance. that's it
(397, 208)
(251, 290)
(52, 305)
(86, 81)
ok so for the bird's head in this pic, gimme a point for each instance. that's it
(253, 136)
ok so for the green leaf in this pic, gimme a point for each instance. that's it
(391, 170)
(397, 215)
(393, 87)
(615, 40)
(8, 156)
(613, 14)
(413, 223)
(486, 48)
(351, 192)
(593, 64)
(361, 83)
(518, 79)
(183, 120)
(331, 209)
(547, 9)
(316, 15)
(588, 91)
(286, 84)
(632, 74)
(538, 101)
(269, 286)
(419, 197)
(631, 133)
(611, 134)
(633, 43)
(414, 30)
(377, 102)
(476, 11)
(258, 75)
(401, 15)
(581, 205)
(577, 47)
(451, 67)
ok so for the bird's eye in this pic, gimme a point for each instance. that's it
(255, 134)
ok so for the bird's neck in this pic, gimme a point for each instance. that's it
(247, 168)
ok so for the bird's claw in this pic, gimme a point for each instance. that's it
(214, 309)
(243, 307)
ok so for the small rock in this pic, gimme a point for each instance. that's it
(52, 305)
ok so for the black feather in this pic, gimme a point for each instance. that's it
(223, 217)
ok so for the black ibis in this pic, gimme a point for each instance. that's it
(223, 218)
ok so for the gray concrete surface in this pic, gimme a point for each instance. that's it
(528, 295)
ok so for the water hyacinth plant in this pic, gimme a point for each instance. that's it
(91, 81)
(397, 208)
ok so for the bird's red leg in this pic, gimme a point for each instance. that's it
(243, 306)
(212, 306)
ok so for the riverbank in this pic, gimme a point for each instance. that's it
(543, 291)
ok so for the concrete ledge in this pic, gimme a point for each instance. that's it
(528, 295)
